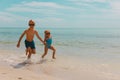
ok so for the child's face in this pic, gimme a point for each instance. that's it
(31, 24)
(47, 34)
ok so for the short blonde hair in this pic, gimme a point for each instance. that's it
(47, 32)
(31, 22)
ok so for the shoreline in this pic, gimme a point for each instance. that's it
(63, 68)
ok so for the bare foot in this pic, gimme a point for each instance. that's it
(53, 57)
(42, 56)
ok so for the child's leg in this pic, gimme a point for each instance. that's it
(45, 51)
(27, 51)
(33, 51)
(54, 50)
(30, 52)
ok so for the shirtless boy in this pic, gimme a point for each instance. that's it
(29, 42)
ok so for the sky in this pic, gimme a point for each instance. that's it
(60, 13)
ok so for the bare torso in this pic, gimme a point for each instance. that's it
(30, 34)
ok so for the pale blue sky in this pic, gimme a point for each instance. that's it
(60, 13)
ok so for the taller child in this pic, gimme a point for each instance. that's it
(29, 41)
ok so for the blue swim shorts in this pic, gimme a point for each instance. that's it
(30, 44)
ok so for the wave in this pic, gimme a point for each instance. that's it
(7, 42)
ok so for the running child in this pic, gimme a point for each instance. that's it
(48, 44)
(29, 41)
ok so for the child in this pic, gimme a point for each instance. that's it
(48, 41)
(29, 42)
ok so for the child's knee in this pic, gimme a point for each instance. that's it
(29, 49)
(34, 52)
(29, 54)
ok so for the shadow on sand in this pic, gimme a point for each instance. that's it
(24, 63)
(20, 65)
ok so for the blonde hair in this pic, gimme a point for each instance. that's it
(31, 22)
(47, 32)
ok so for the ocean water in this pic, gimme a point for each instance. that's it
(86, 43)
(81, 52)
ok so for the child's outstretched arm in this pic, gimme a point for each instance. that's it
(18, 44)
(36, 33)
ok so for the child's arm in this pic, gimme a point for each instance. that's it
(18, 44)
(36, 33)
(44, 38)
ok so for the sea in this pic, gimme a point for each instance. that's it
(81, 53)
(85, 43)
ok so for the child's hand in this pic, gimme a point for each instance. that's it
(18, 45)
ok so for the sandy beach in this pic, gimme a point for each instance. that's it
(90, 56)
(83, 36)
(12, 67)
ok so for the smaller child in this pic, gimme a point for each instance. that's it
(48, 41)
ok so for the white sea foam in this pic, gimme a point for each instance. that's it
(81, 54)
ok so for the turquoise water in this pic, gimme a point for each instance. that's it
(76, 37)
(83, 42)
(79, 51)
